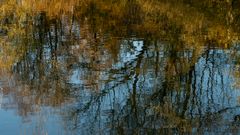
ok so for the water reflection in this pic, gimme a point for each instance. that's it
(85, 73)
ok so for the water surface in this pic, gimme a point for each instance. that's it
(94, 68)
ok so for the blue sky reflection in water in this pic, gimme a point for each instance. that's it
(212, 99)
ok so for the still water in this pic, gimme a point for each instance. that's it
(153, 68)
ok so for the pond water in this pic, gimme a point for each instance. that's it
(171, 70)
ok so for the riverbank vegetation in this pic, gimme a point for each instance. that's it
(185, 24)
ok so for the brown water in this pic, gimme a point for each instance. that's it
(153, 68)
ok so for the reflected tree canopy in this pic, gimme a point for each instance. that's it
(123, 67)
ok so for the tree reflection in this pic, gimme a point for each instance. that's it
(140, 70)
